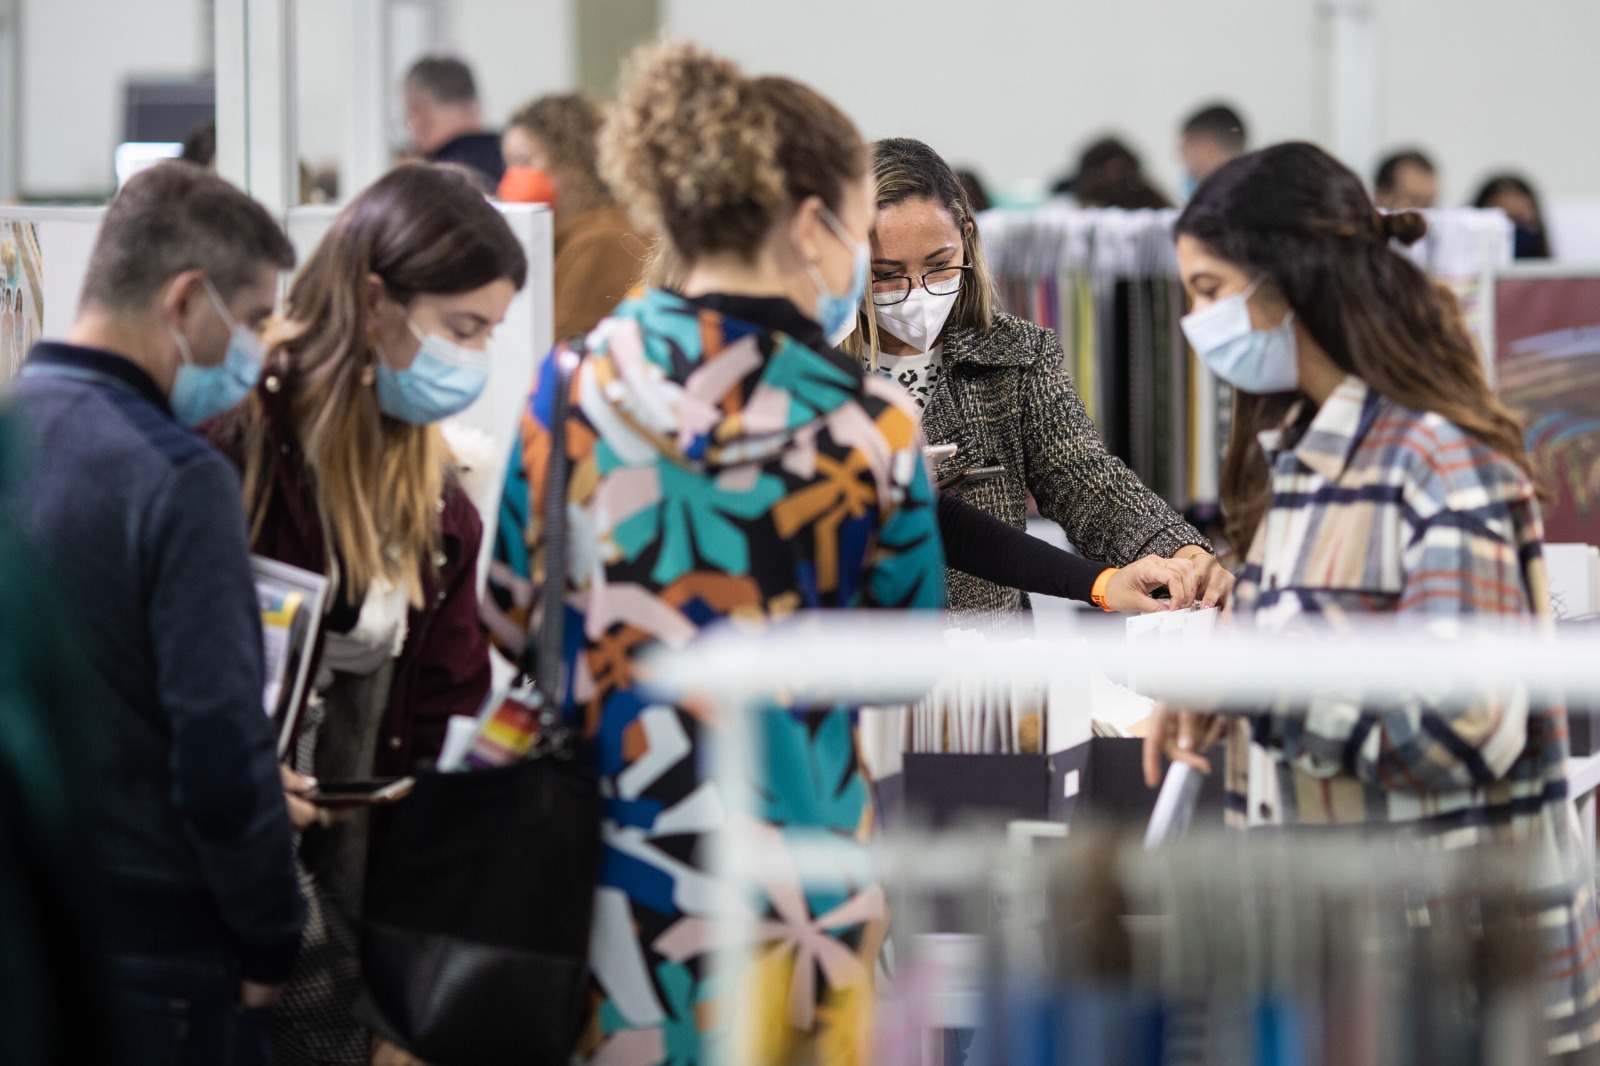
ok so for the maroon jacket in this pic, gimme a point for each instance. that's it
(443, 669)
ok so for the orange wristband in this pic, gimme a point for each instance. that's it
(1097, 595)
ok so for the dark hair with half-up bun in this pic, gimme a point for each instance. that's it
(1298, 217)
(1407, 227)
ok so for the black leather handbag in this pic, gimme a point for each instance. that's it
(475, 935)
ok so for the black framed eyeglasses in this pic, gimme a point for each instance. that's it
(946, 281)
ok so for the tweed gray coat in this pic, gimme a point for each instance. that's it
(1006, 399)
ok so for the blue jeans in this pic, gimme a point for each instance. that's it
(182, 1009)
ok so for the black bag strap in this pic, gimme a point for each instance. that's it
(542, 658)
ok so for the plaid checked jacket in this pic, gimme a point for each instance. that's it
(1377, 508)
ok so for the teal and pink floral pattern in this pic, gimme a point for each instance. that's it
(723, 470)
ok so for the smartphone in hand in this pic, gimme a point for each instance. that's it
(361, 793)
(970, 477)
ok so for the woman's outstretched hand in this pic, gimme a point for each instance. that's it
(1129, 589)
(1213, 582)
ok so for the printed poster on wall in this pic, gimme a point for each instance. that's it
(1547, 363)
(21, 295)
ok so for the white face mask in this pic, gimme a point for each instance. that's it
(918, 319)
(1254, 360)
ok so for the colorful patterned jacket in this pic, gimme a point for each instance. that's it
(725, 463)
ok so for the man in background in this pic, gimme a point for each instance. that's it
(446, 120)
(1212, 137)
(1406, 181)
(145, 529)
(1109, 174)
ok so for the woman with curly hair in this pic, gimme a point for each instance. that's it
(726, 462)
(551, 148)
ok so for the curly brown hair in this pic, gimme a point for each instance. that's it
(568, 125)
(714, 159)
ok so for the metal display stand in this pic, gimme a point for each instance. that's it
(255, 72)
(256, 76)
(10, 98)
(865, 660)
(366, 127)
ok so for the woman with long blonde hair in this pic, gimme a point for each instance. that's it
(347, 474)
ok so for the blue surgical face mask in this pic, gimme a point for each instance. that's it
(202, 392)
(1254, 360)
(837, 314)
(444, 379)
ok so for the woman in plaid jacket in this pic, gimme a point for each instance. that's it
(1372, 470)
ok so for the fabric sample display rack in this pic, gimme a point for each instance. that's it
(1107, 282)
(1220, 949)
(878, 659)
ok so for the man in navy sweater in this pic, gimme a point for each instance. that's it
(145, 529)
(446, 120)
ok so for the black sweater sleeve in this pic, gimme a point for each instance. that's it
(977, 543)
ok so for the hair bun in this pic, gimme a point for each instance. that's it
(1407, 227)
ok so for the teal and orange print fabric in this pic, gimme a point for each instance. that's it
(723, 470)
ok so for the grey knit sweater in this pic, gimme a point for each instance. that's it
(1007, 400)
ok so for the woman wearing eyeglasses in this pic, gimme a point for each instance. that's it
(994, 385)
